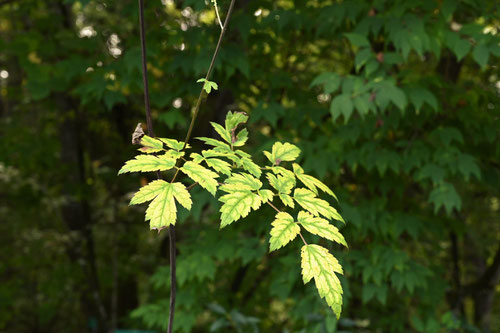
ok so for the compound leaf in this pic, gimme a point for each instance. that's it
(237, 205)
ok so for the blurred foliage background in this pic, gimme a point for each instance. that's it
(395, 105)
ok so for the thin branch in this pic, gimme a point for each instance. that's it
(149, 121)
(207, 77)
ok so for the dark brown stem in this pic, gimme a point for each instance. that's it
(149, 121)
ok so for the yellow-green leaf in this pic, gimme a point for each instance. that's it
(319, 264)
(308, 200)
(250, 166)
(174, 144)
(311, 182)
(148, 192)
(202, 175)
(284, 230)
(241, 182)
(283, 152)
(237, 205)
(266, 195)
(162, 211)
(219, 165)
(233, 119)
(225, 134)
(145, 163)
(321, 227)
(150, 142)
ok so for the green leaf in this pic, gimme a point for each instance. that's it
(445, 195)
(283, 152)
(241, 138)
(284, 230)
(315, 206)
(233, 119)
(219, 165)
(330, 81)
(420, 95)
(357, 39)
(145, 163)
(224, 133)
(148, 192)
(237, 205)
(215, 143)
(266, 195)
(289, 175)
(208, 85)
(319, 264)
(250, 166)
(174, 144)
(241, 182)
(281, 183)
(321, 227)
(341, 105)
(310, 182)
(481, 54)
(150, 142)
(202, 175)
(162, 211)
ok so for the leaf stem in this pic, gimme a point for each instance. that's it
(217, 13)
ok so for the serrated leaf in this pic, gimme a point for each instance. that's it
(215, 143)
(148, 192)
(150, 142)
(319, 264)
(219, 165)
(247, 164)
(233, 119)
(283, 152)
(445, 195)
(174, 144)
(312, 183)
(149, 150)
(281, 183)
(241, 182)
(202, 175)
(225, 134)
(284, 230)
(162, 211)
(266, 195)
(308, 200)
(287, 200)
(146, 163)
(321, 227)
(342, 105)
(241, 138)
(289, 175)
(237, 205)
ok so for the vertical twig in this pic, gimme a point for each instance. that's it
(188, 136)
(149, 121)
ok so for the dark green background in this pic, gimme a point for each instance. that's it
(401, 120)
